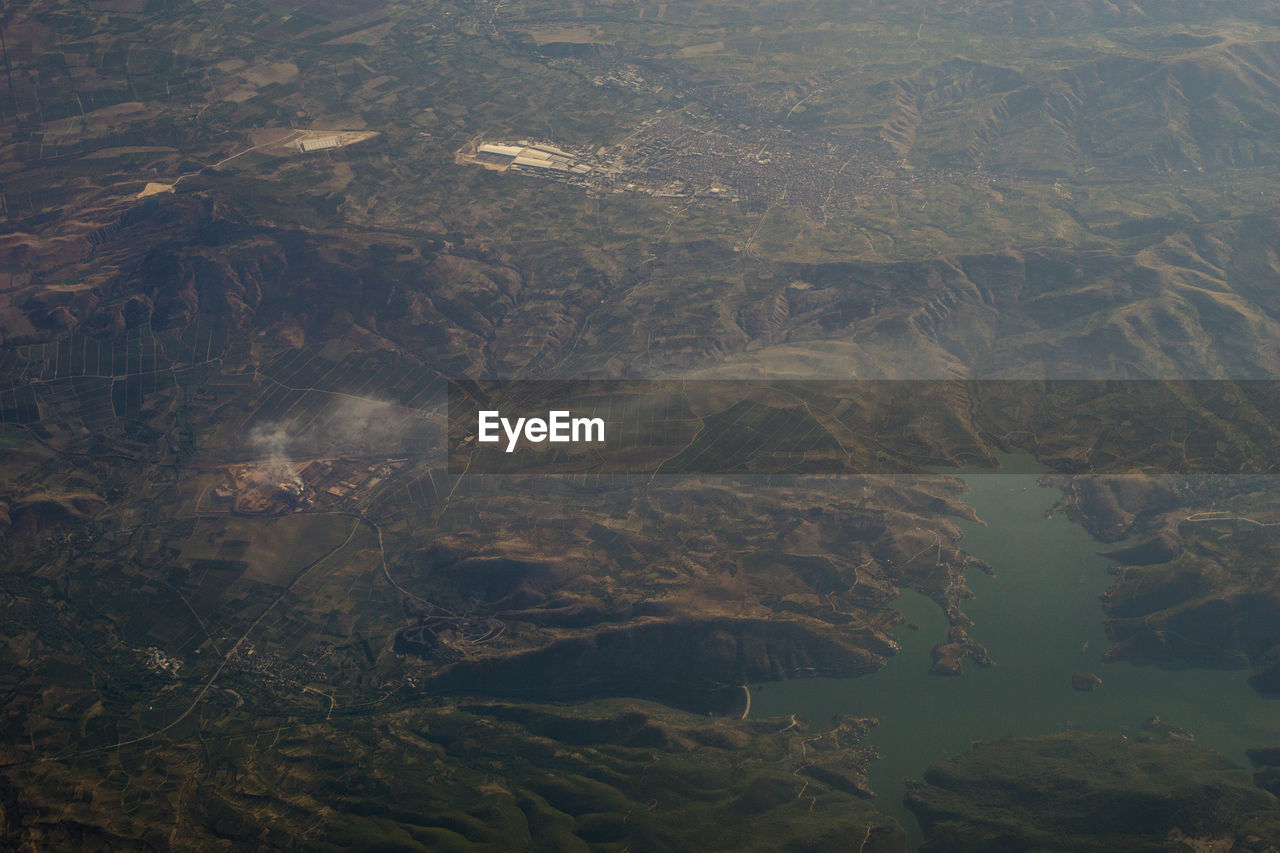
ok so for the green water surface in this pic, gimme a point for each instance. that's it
(1041, 620)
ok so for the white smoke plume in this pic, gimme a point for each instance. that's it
(271, 443)
(361, 426)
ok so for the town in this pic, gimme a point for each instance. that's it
(677, 155)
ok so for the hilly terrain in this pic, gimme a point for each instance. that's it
(245, 246)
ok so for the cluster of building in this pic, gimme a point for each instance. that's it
(159, 662)
(335, 483)
(266, 489)
(680, 155)
(626, 77)
(275, 488)
(716, 160)
(274, 670)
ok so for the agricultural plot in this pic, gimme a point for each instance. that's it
(204, 340)
(84, 380)
(376, 377)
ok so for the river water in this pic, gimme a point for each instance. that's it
(1041, 620)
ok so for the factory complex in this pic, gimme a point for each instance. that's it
(522, 155)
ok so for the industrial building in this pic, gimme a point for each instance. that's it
(522, 156)
(321, 144)
(501, 150)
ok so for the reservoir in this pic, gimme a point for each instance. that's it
(1041, 620)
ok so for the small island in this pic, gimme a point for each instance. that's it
(1085, 682)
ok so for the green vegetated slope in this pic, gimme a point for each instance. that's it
(1198, 585)
(1093, 791)
(602, 776)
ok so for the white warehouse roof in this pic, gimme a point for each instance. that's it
(536, 162)
(321, 144)
(503, 150)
